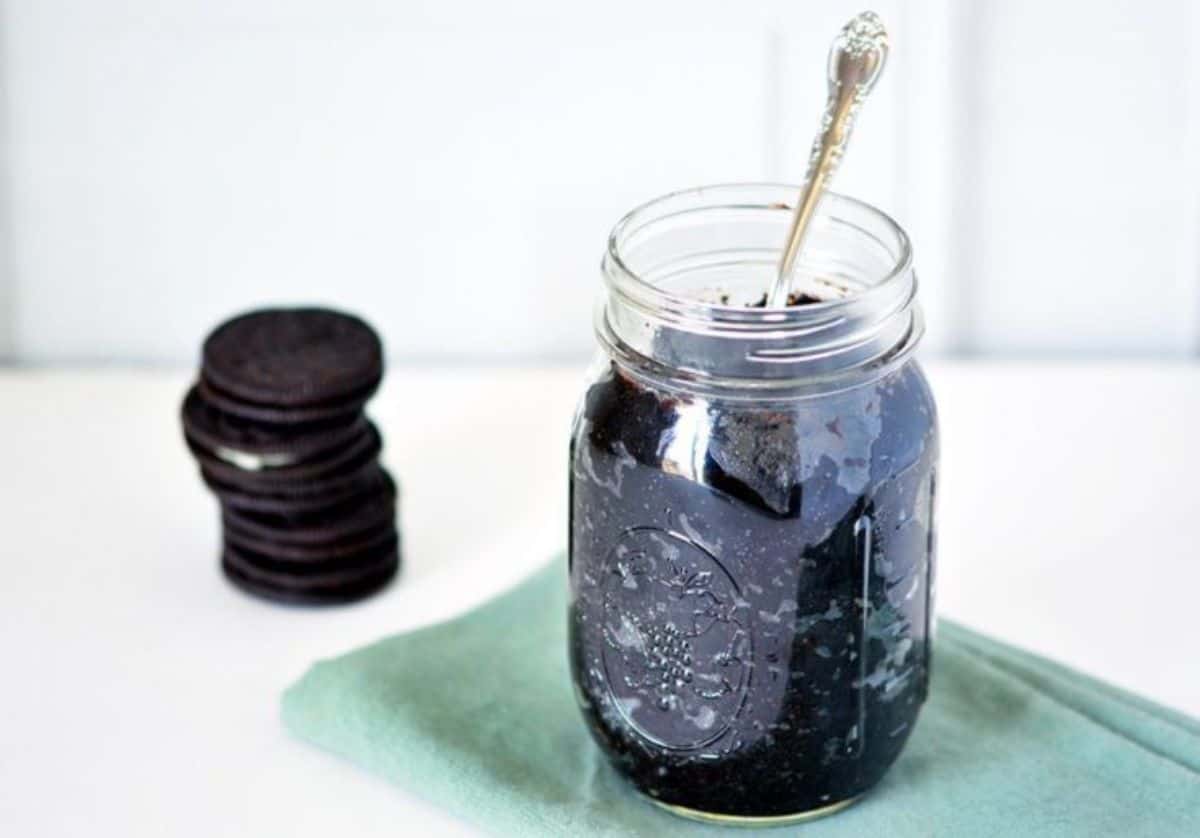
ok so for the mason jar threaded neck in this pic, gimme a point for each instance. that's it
(683, 271)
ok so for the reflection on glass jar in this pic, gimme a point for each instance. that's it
(751, 537)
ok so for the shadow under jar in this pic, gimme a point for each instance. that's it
(752, 491)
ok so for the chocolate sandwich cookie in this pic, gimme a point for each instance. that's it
(294, 358)
(333, 411)
(275, 423)
(296, 503)
(255, 445)
(368, 512)
(303, 557)
(359, 450)
(324, 481)
(341, 583)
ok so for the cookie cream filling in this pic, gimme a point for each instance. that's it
(254, 462)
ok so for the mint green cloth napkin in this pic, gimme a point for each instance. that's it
(477, 715)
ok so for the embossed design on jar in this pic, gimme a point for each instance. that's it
(677, 645)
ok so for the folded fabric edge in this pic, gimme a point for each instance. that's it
(1158, 729)
(309, 711)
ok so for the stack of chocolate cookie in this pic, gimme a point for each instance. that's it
(276, 423)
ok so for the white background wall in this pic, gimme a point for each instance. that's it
(450, 169)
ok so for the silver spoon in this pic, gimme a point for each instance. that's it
(855, 61)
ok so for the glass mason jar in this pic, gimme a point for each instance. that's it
(752, 491)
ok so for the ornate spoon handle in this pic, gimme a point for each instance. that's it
(856, 59)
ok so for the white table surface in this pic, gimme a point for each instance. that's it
(139, 692)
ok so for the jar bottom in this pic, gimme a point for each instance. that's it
(752, 820)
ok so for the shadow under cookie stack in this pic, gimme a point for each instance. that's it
(276, 423)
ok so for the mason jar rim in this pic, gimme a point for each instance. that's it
(697, 344)
(622, 279)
